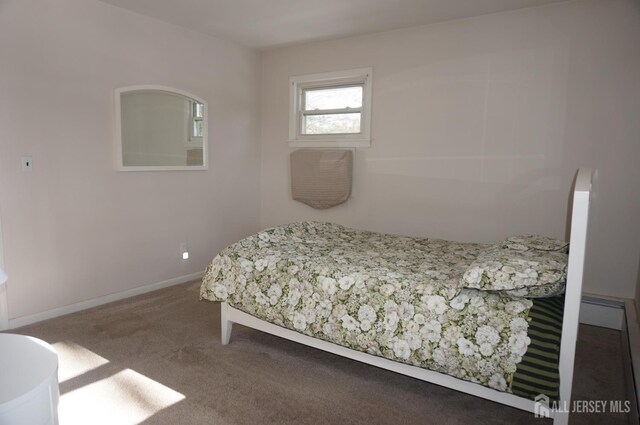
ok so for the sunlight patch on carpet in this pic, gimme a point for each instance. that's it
(126, 398)
(75, 360)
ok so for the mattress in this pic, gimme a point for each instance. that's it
(391, 296)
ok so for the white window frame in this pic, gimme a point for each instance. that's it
(297, 85)
(193, 141)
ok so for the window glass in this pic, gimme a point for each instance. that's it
(332, 124)
(333, 98)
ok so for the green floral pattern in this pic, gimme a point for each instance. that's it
(542, 291)
(535, 242)
(504, 269)
(391, 296)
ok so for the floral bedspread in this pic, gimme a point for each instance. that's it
(391, 296)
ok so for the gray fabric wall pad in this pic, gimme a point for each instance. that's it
(321, 178)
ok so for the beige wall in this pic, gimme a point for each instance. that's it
(479, 126)
(74, 228)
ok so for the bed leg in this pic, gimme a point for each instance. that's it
(225, 324)
(561, 418)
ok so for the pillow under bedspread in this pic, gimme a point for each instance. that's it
(533, 272)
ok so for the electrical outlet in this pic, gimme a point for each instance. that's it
(184, 251)
(27, 163)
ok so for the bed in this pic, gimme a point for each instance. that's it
(494, 321)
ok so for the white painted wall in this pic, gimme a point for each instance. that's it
(479, 126)
(74, 228)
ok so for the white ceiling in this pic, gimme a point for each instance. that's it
(266, 24)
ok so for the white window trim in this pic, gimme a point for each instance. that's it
(362, 76)
(193, 142)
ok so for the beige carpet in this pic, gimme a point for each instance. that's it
(157, 359)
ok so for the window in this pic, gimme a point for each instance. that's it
(331, 109)
(197, 125)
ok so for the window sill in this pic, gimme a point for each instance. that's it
(193, 145)
(351, 143)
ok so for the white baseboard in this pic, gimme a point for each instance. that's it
(94, 302)
(602, 312)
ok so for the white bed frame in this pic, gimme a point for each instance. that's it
(579, 220)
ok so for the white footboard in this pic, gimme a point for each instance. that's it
(573, 295)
